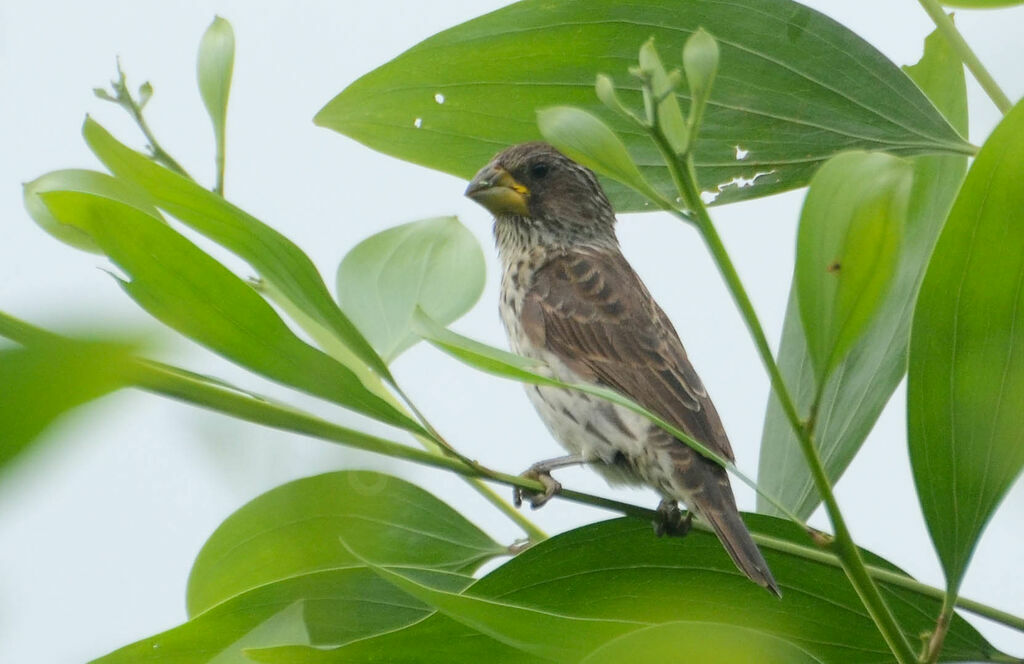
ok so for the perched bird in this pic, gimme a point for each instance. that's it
(570, 299)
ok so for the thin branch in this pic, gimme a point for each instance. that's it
(948, 29)
(123, 97)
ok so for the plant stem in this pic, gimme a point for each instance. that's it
(685, 178)
(933, 647)
(196, 390)
(948, 29)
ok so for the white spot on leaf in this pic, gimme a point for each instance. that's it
(418, 122)
(741, 153)
(439, 98)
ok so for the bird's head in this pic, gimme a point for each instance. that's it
(534, 186)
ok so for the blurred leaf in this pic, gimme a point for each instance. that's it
(981, 4)
(214, 67)
(89, 182)
(848, 245)
(793, 88)
(42, 382)
(276, 258)
(185, 288)
(860, 386)
(966, 376)
(276, 572)
(434, 264)
(620, 577)
(588, 140)
(294, 530)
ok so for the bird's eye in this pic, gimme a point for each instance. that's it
(539, 170)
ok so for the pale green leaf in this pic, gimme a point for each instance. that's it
(435, 264)
(848, 245)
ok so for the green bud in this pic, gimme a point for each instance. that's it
(700, 62)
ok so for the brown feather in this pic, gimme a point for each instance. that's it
(590, 308)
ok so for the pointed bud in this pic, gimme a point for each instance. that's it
(700, 61)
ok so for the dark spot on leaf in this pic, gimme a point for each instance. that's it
(833, 267)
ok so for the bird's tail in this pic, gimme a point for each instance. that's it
(725, 519)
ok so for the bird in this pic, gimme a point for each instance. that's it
(570, 299)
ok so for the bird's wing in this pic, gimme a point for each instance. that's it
(591, 309)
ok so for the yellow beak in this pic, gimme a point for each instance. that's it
(495, 189)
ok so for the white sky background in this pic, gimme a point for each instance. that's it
(99, 527)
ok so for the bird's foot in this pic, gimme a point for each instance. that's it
(542, 473)
(670, 520)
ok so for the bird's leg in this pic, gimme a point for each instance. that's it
(541, 471)
(670, 520)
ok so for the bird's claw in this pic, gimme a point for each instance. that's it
(537, 500)
(670, 520)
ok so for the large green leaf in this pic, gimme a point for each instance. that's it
(188, 290)
(858, 389)
(793, 88)
(276, 258)
(294, 529)
(847, 250)
(434, 264)
(966, 375)
(42, 382)
(617, 579)
(276, 572)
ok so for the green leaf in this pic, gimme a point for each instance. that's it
(90, 182)
(559, 638)
(276, 258)
(454, 100)
(858, 389)
(624, 582)
(586, 139)
(966, 373)
(848, 244)
(435, 264)
(294, 530)
(44, 381)
(275, 571)
(185, 288)
(214, 67)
